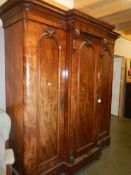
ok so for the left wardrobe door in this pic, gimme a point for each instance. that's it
(47, 45)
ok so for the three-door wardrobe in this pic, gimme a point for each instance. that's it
(58, 86)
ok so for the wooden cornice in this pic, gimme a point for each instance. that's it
(77, 13)
(16, 10)
(74, 15)
(11, 3)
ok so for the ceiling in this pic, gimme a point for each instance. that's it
(114, 12)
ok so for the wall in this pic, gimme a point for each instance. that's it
(2, 70)
(123, 48)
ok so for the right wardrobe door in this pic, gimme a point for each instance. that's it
(104, 94)
(83, 96)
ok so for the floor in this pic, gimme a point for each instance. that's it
(115, 159)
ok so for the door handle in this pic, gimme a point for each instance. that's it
(99, 100)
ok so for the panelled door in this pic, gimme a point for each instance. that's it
(104, 93)
(51, 77)
(83, 94)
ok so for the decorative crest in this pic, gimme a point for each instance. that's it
(105, 46)
(105, 43)
(88, 41)
(50, 32)
(76, 34)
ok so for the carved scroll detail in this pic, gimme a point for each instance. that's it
(105, 46)
(76, 34)
(89, 42)
(50, 32)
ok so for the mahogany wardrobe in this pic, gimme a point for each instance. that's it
(58, 86)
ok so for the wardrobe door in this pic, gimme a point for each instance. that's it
(83, 95)
(51, 78)
(104, 94)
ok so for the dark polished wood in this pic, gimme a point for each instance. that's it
(104, 92)
(128, 100)
(83, 95)
(58, 64)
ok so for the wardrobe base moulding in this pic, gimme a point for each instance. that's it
(104, 142)
(69, 169)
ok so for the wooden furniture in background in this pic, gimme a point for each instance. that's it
(128, 88)
(58, 86)
(8, 167)
(128, 101)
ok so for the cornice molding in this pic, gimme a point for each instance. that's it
(22, 9)
(39, 3)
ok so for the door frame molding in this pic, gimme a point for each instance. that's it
(122, 86)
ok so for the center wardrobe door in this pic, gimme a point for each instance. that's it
(84, 96)
(51, 98)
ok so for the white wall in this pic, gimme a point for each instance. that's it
(2, 70)
(123, 47)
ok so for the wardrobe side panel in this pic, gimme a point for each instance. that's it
(14, 89)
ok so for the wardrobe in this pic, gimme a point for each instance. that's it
(58, 86)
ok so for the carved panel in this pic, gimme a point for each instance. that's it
(49, 52)
(86, 80)
(83, 99)
(76, 35)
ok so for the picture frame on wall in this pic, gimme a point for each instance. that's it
(128, 70)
